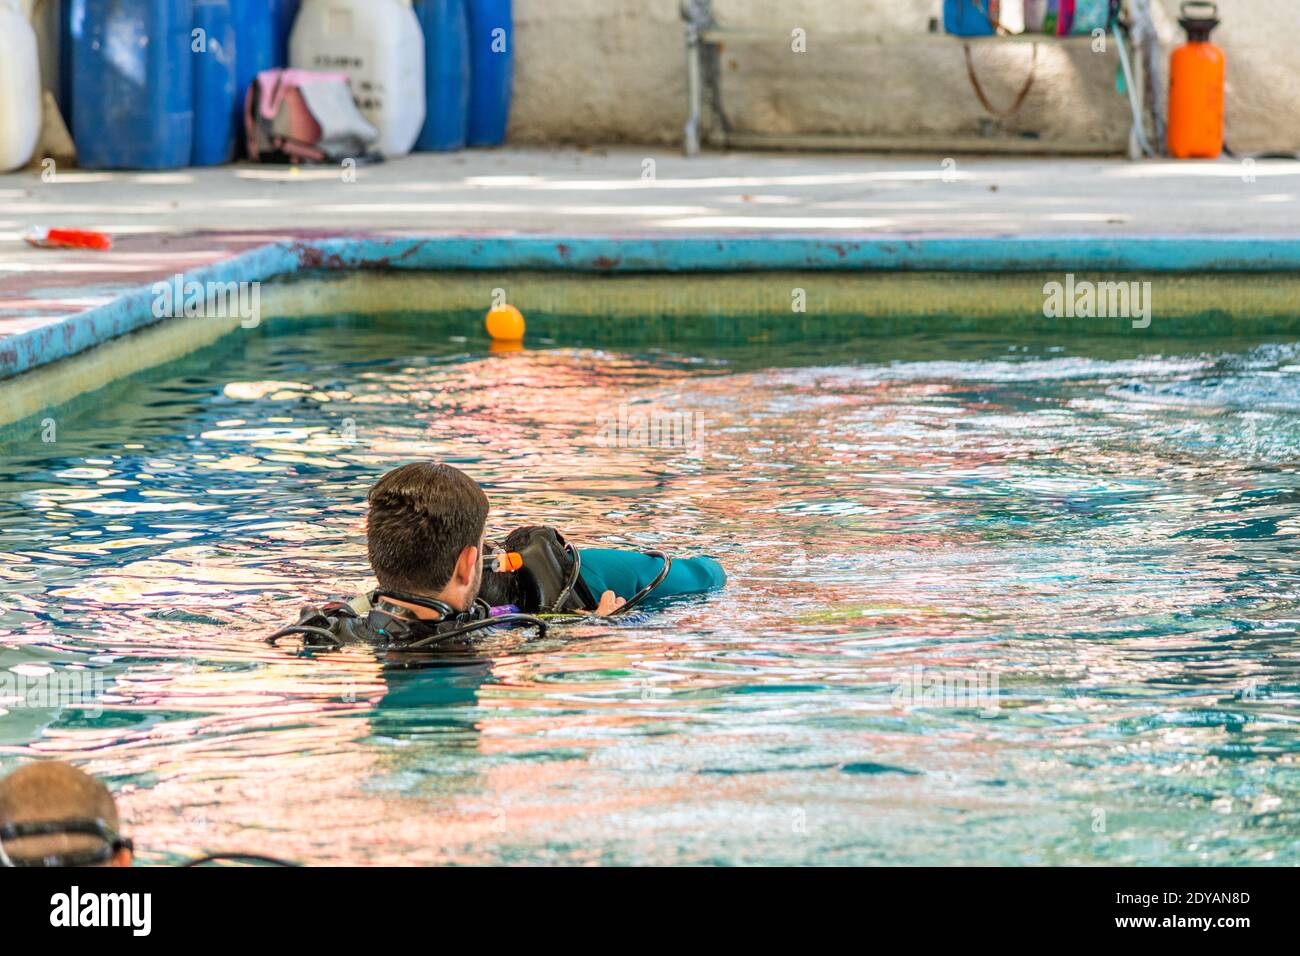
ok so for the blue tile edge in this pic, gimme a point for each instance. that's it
(133, 310)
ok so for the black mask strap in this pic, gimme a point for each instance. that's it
(113, 843)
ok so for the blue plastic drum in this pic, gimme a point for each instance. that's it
(254, 47)
(283, 13)
(446, 73)
(491, 60)
(132, 83)
(214, 84)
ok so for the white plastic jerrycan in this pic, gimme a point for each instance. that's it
(20, 86)
(380, 46)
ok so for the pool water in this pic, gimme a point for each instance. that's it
(1010, 602)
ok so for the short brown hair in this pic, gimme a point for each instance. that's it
(53, 792)
(422, 516)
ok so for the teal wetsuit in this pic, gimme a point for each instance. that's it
(627, 572)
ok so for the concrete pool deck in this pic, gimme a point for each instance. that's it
(635, 209)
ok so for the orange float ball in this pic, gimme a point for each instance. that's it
(505, 323)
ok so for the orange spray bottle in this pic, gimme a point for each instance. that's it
(1196, 78)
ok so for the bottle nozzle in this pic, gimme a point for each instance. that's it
(508, 562)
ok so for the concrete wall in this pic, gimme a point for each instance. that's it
(593, 71)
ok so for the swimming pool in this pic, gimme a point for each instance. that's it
(1018, 601)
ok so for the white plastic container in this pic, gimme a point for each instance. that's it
(20, 87)
(1011, 14)
(379, 45)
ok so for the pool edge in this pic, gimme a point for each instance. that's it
(44, 347)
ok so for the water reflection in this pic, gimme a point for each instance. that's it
(1109, 539)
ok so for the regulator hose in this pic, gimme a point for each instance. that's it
(237, 857)
(644, 593)
(524, 620)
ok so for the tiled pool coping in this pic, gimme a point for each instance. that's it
(32, 348)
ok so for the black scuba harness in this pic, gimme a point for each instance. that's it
(542, 583)
(339, 622)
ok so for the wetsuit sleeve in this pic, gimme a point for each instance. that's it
(627, 572)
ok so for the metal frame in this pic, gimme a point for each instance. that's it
(704, 41)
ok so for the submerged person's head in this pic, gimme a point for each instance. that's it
(54, 814)
(424, 532)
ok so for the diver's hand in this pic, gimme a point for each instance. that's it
(609, 603)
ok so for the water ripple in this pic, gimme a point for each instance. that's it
(989, 602)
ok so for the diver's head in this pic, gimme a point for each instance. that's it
(425, 531)
(52, 814)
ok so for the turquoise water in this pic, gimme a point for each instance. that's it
(990, 602)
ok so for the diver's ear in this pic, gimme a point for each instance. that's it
(469, 557)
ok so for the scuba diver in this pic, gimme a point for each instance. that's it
(440, 580)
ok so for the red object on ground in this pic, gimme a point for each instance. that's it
(69, 239)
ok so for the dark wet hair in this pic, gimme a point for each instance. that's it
(422, 516)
